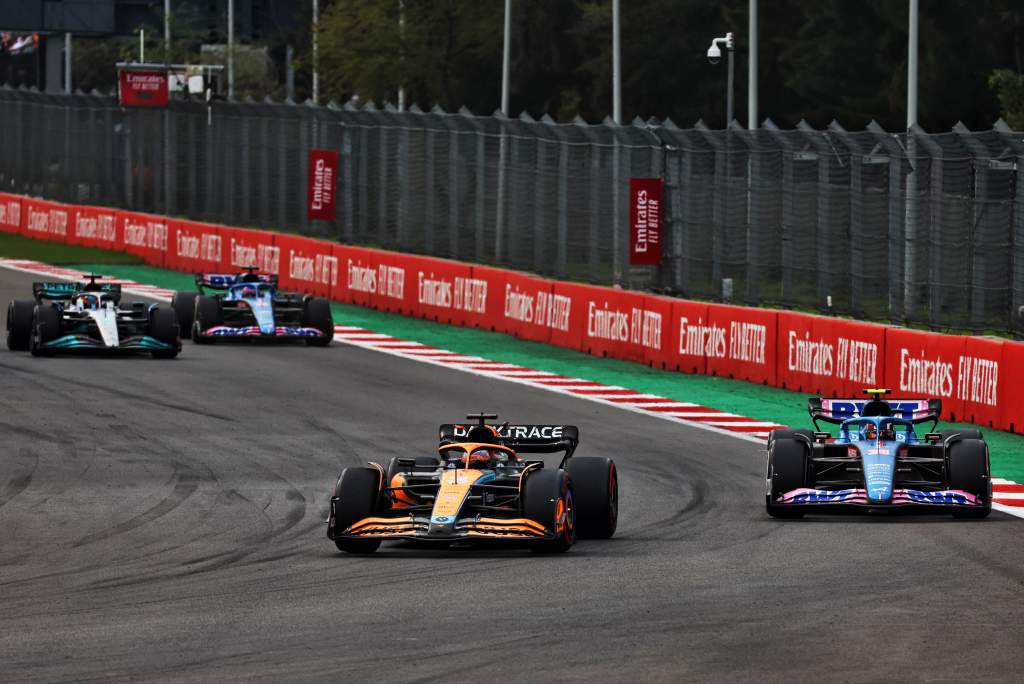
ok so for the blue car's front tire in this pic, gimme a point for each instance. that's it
(787, 470)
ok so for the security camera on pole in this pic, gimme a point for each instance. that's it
(715, 56)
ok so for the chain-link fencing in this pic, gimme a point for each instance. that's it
(925, 229)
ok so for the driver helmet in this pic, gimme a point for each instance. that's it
(871, 431)
(89, 301)
(249, 291)
(481, 458)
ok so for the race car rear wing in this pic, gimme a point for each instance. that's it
(523, 439)
(67, 290)
(222, 281)
(835, 411)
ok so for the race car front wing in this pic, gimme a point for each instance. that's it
(949, 498)
(423, 529)
(135, 343)
(280, 331)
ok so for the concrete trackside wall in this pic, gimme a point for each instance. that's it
(803, 352)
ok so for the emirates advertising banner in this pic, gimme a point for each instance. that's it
(323, 174)
(142, 88)
(645, 221)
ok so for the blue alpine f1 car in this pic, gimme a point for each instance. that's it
(877, 461)
(249, 305)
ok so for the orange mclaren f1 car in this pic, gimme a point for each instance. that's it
(480, 488)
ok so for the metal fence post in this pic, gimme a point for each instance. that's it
(898, 281)
(539, 183)
(480, 203)
(430, 192)
(404, 162)
(562, 245)
(936, 209)
(502, 203)
(719, 212)
(616, 202)
(1017, 254)
(263, 215)
(454, 195)
(593, 195)
(677, 167)
(1013, 157)
(382, 190)
(979, 252)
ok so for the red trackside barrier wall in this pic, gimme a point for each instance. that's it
(749, 346)
(94, 227)
(44, 220)
(10, 213)
(518, 304)
(829, 356)
(307, 265)
(1011, 405)
(194, 247)
(975, 377)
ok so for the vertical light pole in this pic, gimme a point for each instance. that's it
(910, 227)
(752, 69)
(729, 111)
(912, 65)
(231, 48)
(616, 63)
(715, 56)
(401, 43)
(167, 30)
(316, 46)
(506, 57)
(506, 61)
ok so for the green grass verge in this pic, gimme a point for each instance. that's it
(734, 396)
(14, 246)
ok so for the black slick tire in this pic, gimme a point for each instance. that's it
(45, 328)
(967, 467)
(316, 313)
(163, 327)
(595, 485)
(19, 324)
(207, 315)
(548, 500)
(787, 470)
(357, 491)
(184, 305)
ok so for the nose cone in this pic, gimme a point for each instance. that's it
(879, 465)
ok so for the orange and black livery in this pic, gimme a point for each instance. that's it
(479, 487)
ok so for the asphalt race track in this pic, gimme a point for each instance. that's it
(163, 520)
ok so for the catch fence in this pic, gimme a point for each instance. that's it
(913, 228)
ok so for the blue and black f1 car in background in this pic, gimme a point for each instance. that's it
(249, 305)
(90, 316)
(877, 462)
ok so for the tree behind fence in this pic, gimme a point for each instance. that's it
(915, 228)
